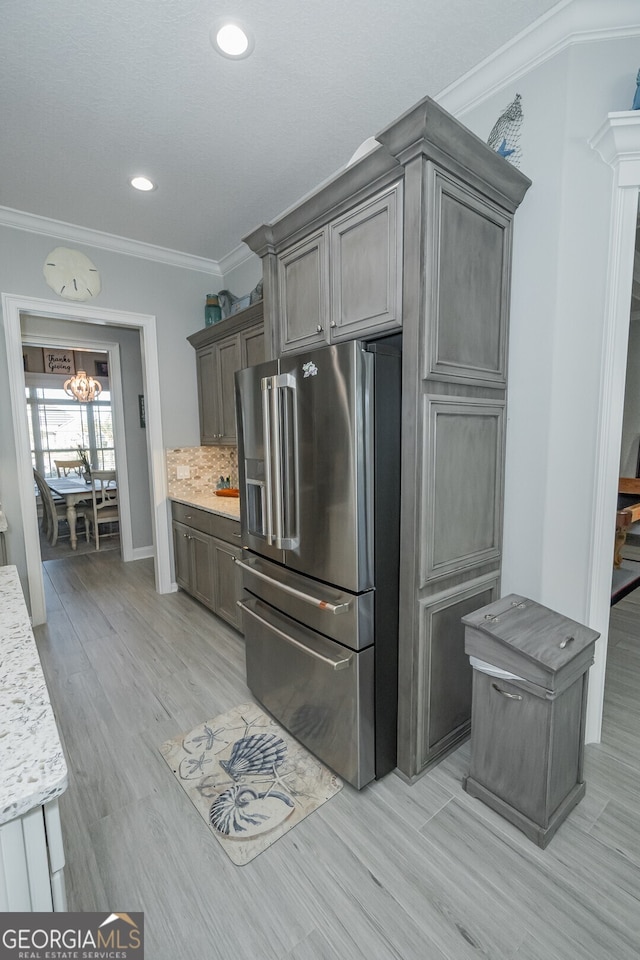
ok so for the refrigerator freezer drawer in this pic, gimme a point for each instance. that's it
(338, 614)
(318, 690)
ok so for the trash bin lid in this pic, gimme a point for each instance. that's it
(534, 632)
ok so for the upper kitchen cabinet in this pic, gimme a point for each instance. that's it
(222, 349)
(365, 267)
(332, 267)
(344, 281)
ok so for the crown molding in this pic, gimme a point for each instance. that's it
(568, 23)
(32, 223)
(235, 258)
(618, 143)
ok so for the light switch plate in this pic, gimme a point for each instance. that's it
(183, 472)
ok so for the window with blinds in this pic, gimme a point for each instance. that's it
(59, 425)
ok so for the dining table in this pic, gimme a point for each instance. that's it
(73, 490)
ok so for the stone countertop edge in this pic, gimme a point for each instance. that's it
(225, 506)
(32, 765)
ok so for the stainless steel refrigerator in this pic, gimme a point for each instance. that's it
(319, 465)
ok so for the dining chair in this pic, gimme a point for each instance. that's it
(54, 512)
(65, 467)
(104, 493)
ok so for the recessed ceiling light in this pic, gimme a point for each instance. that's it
(231, 39)
(142, 183)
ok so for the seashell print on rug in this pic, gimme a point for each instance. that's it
(249, 779)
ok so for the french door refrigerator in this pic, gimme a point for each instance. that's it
(319, 466)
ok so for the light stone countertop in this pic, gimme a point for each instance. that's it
(32, 765)
(225, 506)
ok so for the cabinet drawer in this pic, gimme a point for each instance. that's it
(192, 517)
(225, 528)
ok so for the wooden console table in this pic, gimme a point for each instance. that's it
(628, 512)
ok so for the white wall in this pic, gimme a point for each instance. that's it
(243, 278)
(558, 291)
(559, 526)
(175, 295)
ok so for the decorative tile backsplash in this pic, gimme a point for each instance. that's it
(205, 466)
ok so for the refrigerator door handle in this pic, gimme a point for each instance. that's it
(284, 539)
(334, 608)
(266, 385)
(276, 462)
(340, 664)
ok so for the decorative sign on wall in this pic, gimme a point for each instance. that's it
(58, 361)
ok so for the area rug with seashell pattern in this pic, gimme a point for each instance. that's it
(249, 779)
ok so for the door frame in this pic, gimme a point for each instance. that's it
(618, 143)
(12, 306)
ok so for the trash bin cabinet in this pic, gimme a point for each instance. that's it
(530, 670)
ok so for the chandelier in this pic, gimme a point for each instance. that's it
(82, 387)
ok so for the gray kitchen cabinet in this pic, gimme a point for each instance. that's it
(222, 349)
(205, 545)
(365, 262)
(303, 277)
(344, 281)
(228, 582)
(228, 360)
(252, 345)
(207, 394)
(415, 237)
(193, 552)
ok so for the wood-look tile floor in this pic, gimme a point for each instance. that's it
(390, 873)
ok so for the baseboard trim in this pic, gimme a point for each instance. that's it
(142, 553)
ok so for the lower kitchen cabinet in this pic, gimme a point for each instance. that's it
(204, 563)
(228, 582)
(193, 552)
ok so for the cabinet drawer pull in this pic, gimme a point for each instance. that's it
(319, 328)
(333, 323)
(511, 696)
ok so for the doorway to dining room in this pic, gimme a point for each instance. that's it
(71, 437)
(105, 323)
(63, 430)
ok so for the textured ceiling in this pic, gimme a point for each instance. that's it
(92, 92)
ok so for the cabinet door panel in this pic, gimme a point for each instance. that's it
(202, 575)
(181, 555)
(445, 676)
(227, 362)
(366, 266)
(304, 293)
(468, 339)
(207, 395)
(253, 346)
(228, 582)
(461, 485)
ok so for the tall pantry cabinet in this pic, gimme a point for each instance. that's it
(416, 238)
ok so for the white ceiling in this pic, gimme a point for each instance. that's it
(94, 91)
